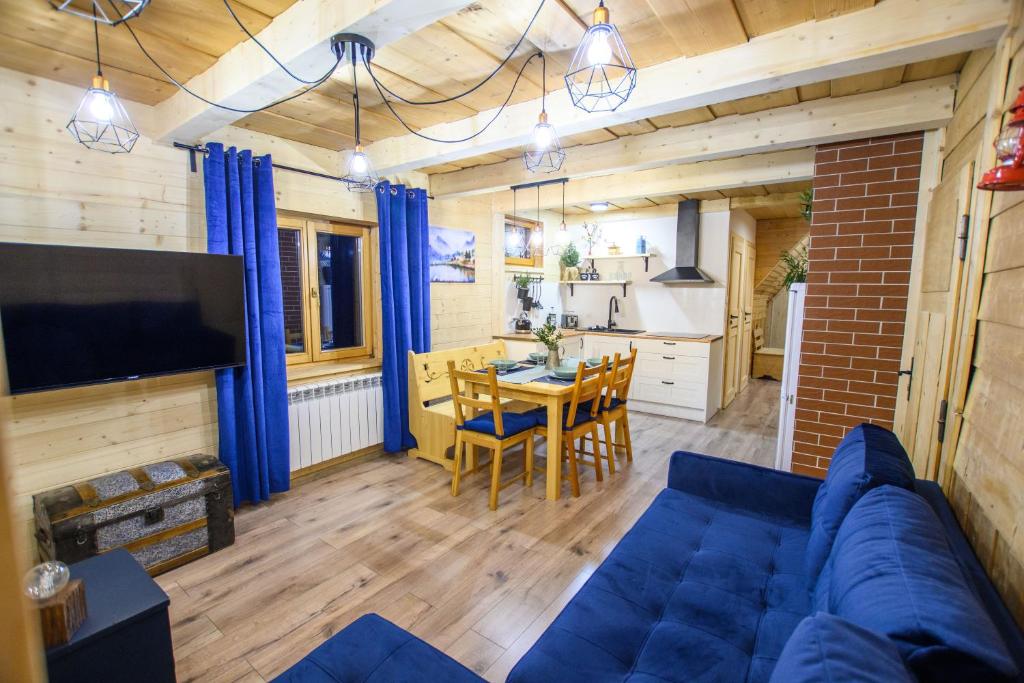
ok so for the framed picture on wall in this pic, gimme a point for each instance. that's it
(520, 249)
(452, 255)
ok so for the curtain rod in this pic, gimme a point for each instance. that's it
(197, 149)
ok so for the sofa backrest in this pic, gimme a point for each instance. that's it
(824, 647)
(892, 570)
(869, 456)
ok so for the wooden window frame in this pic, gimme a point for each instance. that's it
(537, 261)
(308, 229)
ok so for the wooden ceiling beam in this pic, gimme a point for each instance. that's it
(300, 37)
(892, 33)
(683, 179)
(922, 105)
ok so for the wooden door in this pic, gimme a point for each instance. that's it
(747, 321)
(733, 323)
(924, 389)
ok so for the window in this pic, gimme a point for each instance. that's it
(325, 282)
(524, 242)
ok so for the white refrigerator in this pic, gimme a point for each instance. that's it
(790, 373)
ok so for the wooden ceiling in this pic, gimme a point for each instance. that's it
(778, 200)
(440, 60)
(185, 36)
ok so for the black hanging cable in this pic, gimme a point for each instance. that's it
(270, 54)
(199, 97)
(355, 92)
(494, 118)
(96, 30)
(445, 100)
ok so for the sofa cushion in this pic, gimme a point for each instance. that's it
(373, 650)
(511, 423)
(867, 457)
(825, 648)
(891, 570)
(696, 590)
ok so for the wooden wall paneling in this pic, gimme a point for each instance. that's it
(773, 238)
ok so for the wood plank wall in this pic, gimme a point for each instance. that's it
(986, 483)
(55, 191)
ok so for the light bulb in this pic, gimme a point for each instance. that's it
(358, 164)
(599, 52)
(563, 236)
(99, 105)
(537, 238)
(542, 136)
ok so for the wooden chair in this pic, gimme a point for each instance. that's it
(579, 418)
(495, 429)
(614, 411)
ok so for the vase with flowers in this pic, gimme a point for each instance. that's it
(550, 336)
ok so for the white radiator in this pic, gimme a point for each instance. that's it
(331, 419)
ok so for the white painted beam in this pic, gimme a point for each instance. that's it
(759, 169)
(892, 33)
(300, 37)
(923, 105)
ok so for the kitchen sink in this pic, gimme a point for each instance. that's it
(614, 330)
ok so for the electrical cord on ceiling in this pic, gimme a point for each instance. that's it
(199, 97)
(270, 54)
(445, 100)
(494, 118)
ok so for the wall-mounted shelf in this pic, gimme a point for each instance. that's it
(573, 283)
(607, 257)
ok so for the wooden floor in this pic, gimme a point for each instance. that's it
(385, 536)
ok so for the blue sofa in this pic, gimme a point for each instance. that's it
(740, 573)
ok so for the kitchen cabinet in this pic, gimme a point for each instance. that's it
(520, 349)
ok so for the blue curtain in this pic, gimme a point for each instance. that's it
(405, 294)
(252, 401)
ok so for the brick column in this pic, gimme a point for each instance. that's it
(862, 235)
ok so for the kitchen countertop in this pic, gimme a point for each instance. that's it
(567, 334)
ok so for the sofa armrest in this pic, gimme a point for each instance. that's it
(373, 650)
(758, 489)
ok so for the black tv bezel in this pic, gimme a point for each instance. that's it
(121, 378)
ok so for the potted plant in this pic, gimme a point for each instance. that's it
(570, 260)
(796, 267)
(522, 282)
(550, 336)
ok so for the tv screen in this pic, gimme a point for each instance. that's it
(85, 315)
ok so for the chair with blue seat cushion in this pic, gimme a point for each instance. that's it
(579, 417)
(868, 456)
(495, 429)
(373, 650)
(827, 649)
(892, 570)
(613, 409)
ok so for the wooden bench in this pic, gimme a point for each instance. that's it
(768, 362)
(431, 411)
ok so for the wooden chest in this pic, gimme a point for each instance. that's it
(164, 514)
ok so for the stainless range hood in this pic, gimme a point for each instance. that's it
(686, 271)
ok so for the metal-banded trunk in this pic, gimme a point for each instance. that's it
(164, 514)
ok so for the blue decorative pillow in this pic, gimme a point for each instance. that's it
(892, 571)
(869, 456)
(826, 648)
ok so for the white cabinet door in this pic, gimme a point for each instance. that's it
(608, 346)
(572, 347)
(521, 349)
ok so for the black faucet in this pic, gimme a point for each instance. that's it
(614, 301)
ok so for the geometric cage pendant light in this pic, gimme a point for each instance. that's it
(100, 122)
(359, 174)
(601, 75)
(111, 12)
(544, 152)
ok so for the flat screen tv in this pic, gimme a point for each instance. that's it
(85, 315)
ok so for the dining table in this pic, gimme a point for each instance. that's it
(534, 384)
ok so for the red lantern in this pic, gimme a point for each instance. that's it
(1008, 173)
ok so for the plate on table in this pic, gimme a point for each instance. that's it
(564, 372)
(593, 362)
(503, 363)
(538, 356)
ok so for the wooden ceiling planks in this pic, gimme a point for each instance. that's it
(764, 16)
(186, 37)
